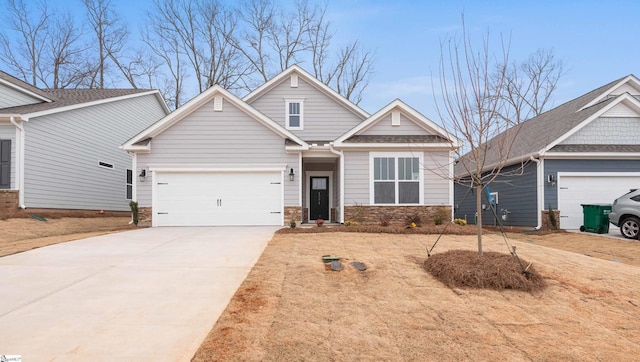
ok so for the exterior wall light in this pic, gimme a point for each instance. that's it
(291, 175)
(142, 175)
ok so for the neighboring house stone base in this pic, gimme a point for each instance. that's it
(395, 214)
(546, 222)
(144, 214)
(8, 202)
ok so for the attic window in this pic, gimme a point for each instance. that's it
(105, 165)
(395, 118)
(294, 81)
(217, 104)
(294, 114)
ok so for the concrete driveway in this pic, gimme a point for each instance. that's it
(143, 295)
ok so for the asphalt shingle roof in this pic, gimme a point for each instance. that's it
(396, 139)
(538, 132)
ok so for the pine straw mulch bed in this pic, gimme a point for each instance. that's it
(455, 268)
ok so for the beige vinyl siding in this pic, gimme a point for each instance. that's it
(384, 128)
(10, 97)
(230, 137)
(62, 152)
(608, 131)
(356, 178)
(324, 119)
(436, 182)
(8, 132)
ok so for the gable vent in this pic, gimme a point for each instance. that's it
(294, 81)
(217, 104)
(395, 118)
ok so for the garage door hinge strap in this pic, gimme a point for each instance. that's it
(163, 183)
(163, 213)
(275, 212)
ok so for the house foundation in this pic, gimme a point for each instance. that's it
(396, 214)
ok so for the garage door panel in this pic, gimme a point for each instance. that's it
(575, 190)
(213, 199)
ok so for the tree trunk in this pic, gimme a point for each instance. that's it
(479, 189)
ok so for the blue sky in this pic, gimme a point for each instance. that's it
(598, 41)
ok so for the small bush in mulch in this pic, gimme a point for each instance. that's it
(452, 229)
(465, 268)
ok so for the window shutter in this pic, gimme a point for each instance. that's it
(5, 164)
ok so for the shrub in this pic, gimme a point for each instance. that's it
(413, 220)
(460, 221)
(134, 212)
(292, 223)
(552, 218)
(439, 216)
(350, 223)
(319, 222)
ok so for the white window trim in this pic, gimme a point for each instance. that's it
(286, 112)
(373, 155)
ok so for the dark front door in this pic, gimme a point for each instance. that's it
(319, 198)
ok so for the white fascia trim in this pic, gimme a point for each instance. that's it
(295, 148)
(591, 155)
(141, 149)
(593, 174)
(442, 146)
(625, 97)
(217, 168)
(420, 119)
(626, 79)
(310, 79)
(88, 104)
(25, 91)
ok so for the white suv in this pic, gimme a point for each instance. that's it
(625, 213)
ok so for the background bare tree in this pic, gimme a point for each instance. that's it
(31, 26)
(483, 96)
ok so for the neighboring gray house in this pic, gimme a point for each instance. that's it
(291, 149)
(585, 151)
(59, 148)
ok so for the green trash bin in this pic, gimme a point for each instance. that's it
(595, 218)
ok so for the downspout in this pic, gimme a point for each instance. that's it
(134, 179)
(341, 158)
(20, 161)
(540, 189)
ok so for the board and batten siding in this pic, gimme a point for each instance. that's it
(324, 119)
(384, 128)
(8, 132)
(230, 137)
(516, 193)
(62, 152)
(10, 97)
(552, 167)
(357, 175)
(608, 131)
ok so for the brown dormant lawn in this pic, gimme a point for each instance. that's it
(291, 308)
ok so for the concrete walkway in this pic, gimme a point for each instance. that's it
(143, 295)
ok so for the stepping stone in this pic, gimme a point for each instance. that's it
(358, 265)
(336, 265)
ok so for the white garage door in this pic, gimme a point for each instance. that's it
(575, 189)
(217, 198)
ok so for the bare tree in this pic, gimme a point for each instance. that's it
(110, 33)
(65, 62)
(31, 25)
(484, 100)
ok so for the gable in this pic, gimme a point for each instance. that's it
(384, 127)
(12, 97)
(607, 131)
(628, 87)
(324, 118)
(221, 137)
(621, 110)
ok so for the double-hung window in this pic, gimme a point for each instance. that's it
(397, 179)
(294, 113)
(129, 184)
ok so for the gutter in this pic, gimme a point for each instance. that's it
(20, 160)
(540, 189)
(341, 158)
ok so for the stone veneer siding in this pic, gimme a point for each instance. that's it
(546, 223)
(292, 212)
(144, 214)
(8, 201)
(395, 214)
